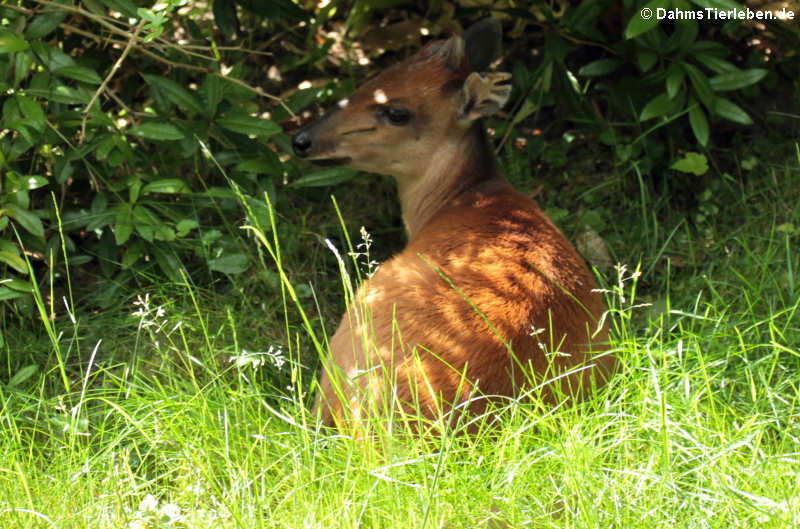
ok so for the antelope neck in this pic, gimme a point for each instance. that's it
(456, 168)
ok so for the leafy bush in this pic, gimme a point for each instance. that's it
(119, 134)
(650, 88)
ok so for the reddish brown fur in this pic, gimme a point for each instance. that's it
(485, 272)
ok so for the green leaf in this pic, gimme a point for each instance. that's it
(157, 131)
(104, 146)
(132, 254)
(11, 42)
(50, 57)
(638, 24)
(230, 264)
(529, 106)
(27, 135)
(7, 294)
(582, 17)
(749, 163)
(210, 237)
(699, 122)
(63, 94)
(117, 157)
(175, 93)
(19, 285)
(100, 220)
(725, 108)
(674, 80)
(126, 7)
(168, 262)
(249, 125)
(35, 117)
(79, 73)
(166, 186)
(22, 375)
(146, 232)
(163, 232)
(212, 90)
(735, 80)
(63, 170)
(123, 225)
(151, 16)
(99, 203)
(22, 67)
(32, 182)
(221, 193)
(14, 261)
(94, 6)
(684, 34)
(149, 226)
(692, 163)
(185, 226)
(107, 253)
(225, 17)
(600, 67)
(658, 106)
(42, 25)
(16, 182)
(722, 5)
(262, 165)
(273, 9)
(715, 64)
(325, 177)
(708, 47)
(700, 83)
(646, 60)
(30, 222)
(80, 260)
(134, 189)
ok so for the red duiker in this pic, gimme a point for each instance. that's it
(488, 298)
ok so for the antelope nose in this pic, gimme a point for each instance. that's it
(301, 143)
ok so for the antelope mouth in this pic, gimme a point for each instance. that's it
(332, 162)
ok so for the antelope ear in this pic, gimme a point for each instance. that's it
(452, 52)
(482, 42)
(475, 49)
(483, 95)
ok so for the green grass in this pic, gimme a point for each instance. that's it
(192, 411)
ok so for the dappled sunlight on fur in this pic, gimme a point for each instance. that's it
(488, 299)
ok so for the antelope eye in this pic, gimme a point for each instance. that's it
(396, 115)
